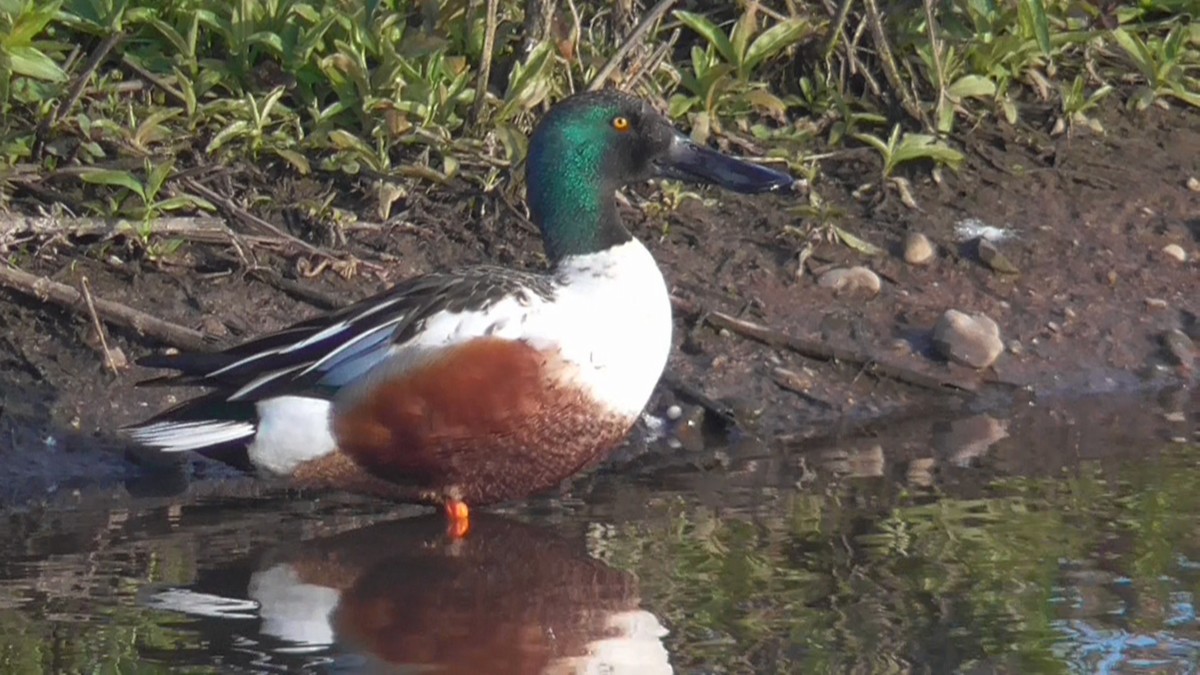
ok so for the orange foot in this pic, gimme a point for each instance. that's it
(460, 518)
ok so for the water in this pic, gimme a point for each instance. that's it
(1062, 537)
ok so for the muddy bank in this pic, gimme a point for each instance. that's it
(1086, 219)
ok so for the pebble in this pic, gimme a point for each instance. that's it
(972, 340)
(1176, 252)
(1180, 347)
(920, 471)
(993, 258)
(851, 279)
(1015, 347)
(1193, 184)
(918, 250)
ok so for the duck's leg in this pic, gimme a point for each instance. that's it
(459, 517)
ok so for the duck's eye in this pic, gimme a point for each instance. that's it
(621, 123)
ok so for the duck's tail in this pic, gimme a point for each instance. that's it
(210, 425)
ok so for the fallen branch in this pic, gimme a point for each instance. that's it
(112, 312)
(694, 395)
(110, 360)
(818, 350)
(313, 296)
(635, 38)
(14, 225)
(485, 65)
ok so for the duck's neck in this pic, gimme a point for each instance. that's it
(575, 209)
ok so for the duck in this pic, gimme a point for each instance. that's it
(478, 385)
(396, 596)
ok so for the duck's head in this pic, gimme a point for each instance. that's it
(591, 144)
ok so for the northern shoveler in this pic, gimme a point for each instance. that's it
(479, 385)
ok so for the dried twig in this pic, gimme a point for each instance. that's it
(888, 62)
(485, 65)
(633, 40)
(77, 86)
(112, 312)
(15, 225)
(313, 296)
(109, 360)
(825, 352)
(253, 220)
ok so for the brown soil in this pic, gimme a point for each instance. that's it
(1095, 293)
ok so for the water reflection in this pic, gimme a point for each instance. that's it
(1053, 537)
(510, 598)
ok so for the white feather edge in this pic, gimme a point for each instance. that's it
(190, 435)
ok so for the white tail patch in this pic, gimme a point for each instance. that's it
(189, 602)
(291, 430)
(293, 610)
(190, 435)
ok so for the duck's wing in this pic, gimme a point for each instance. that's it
(318, 357)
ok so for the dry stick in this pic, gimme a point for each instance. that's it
(836, 27)
(211, 195)
(485, 66)
(113, 312)
(818, 350)
(634, 39)
(315, 297)
(936, 47)
(91, 305)
(155, 80)
(888, 61)
(77, 86)
(12, 224)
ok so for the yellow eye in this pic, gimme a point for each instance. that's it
(621, 123)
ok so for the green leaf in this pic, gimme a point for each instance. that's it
(972, 86)
(924, 146)
(744, 29)
(184, 202)
(30, 62)
(861, 245)
(156, 175)
(709, 31)
(227, 134)
(1136, 49)
(298, 161)
(527, 83)
(874, 142)
(1191, 98)
(115, 178)
(1041, 24)
(774, 40)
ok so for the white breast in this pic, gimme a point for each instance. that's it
(612, 319)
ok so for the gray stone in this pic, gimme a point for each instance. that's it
(972, 340)
(1180, 348)
(851, 279)
(1175, 252)
(993, 258)
(918, 250)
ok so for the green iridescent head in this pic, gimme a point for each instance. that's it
(591, 144)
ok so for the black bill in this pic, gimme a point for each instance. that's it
(696, 164)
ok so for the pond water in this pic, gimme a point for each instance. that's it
(1061, 537)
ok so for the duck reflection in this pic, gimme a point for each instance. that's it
(509, 598)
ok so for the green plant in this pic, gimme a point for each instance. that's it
(22, 55)
(146, 190)
(1077, 102)
(1164, 63)
(719, 80)
(901, 147)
